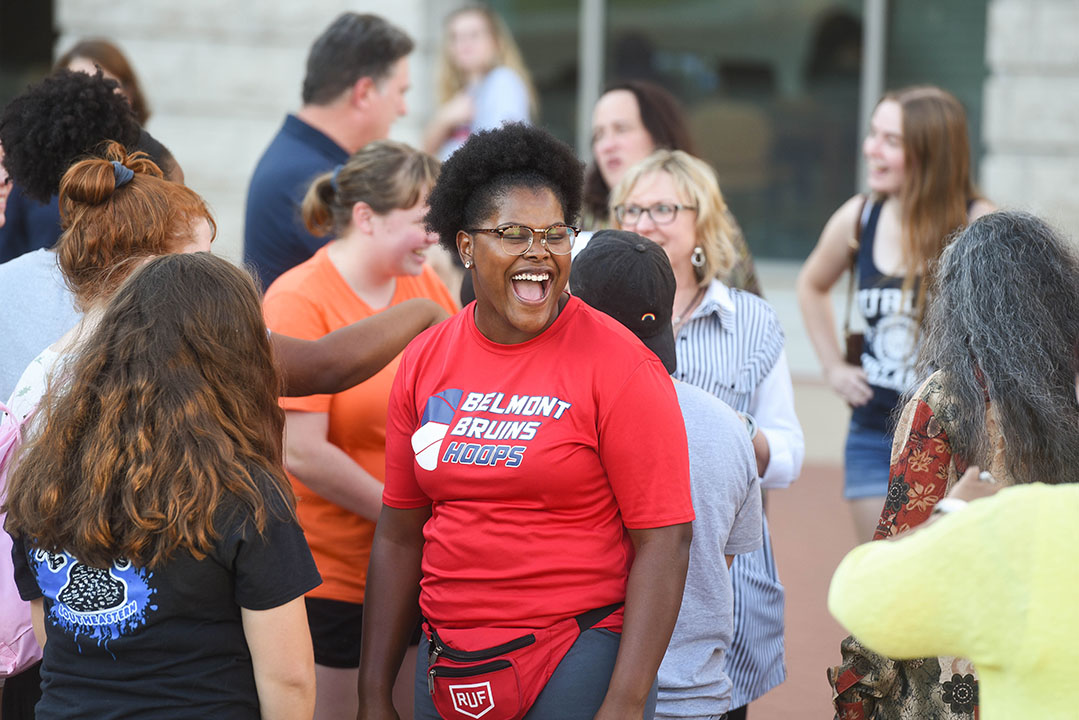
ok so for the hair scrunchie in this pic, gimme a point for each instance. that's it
(122, 173)
(333, 180)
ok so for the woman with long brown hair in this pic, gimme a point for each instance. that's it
(921, 192)
(155, 532)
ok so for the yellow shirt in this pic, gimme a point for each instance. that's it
(996, 582)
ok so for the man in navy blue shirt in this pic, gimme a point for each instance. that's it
(357, 76)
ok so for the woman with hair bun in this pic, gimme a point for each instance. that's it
(155, 532)
(920, 193)
(482, 80)
(373, 205)
(118, 211)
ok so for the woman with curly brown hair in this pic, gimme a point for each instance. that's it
(155, 533)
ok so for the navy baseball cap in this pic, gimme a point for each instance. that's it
(630, 278)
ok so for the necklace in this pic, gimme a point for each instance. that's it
(680, 319)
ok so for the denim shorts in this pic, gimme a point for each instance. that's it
(866, 462)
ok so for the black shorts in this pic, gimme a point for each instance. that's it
(336, 631)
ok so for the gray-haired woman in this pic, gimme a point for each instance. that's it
(1001, 333)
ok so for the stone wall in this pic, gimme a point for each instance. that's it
(1031, 111)
(221, 76)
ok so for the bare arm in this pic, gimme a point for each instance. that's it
(653, 598)
(822, 269)
(326, 468)
(390, 606)
(458, 110)
(352, 354)
(37, 620)
(979, 208)
(283, 662)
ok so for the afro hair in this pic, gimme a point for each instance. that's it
(57, 121)
(490, 163)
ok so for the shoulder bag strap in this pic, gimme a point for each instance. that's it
(855, 245)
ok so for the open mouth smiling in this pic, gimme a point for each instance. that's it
(531, 286)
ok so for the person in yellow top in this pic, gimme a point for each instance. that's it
(994, 582)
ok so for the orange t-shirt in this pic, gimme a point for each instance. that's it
(307, 302)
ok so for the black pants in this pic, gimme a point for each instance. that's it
(737, 713)
(21, 693)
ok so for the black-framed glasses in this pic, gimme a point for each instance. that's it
(517, 239)
(661, 213)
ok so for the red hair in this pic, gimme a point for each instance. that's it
(109, 227)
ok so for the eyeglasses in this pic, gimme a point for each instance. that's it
(517, 239)
(661, 213)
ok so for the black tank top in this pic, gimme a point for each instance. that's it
(891, 332)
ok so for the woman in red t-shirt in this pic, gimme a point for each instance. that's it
(536, 466)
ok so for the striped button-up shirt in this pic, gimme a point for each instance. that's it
(732, 346)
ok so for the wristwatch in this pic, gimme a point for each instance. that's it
(948, 504)
(751, 424)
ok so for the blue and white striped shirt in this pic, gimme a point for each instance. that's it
(732, 346)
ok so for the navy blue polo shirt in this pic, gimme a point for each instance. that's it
(275, 239)
(30, 225)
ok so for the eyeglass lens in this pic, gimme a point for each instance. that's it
(517, 239)
(661, 213)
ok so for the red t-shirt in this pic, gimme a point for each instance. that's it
(535, 457)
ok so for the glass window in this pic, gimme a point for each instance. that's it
(547, 33)
(770, 88)
(771, 91)
(931, 42)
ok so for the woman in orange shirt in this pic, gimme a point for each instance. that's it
(335, 444)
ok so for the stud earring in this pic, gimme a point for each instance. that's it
(468, 264)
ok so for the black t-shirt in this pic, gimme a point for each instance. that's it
(129, 642)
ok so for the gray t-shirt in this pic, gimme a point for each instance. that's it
(727, 503)
(36, 309)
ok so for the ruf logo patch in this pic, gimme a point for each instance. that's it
(474, 700)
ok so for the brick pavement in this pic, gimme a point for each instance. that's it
(811, 532)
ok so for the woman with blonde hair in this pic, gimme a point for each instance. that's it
(335, 444)
(482, 80)
(921, 192)
(729, 343)
(155, 533)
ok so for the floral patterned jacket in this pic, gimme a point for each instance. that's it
(868, 686)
